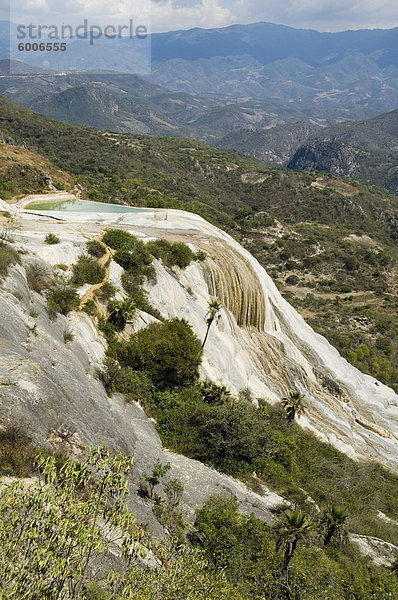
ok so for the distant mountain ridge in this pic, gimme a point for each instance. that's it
(264, 61)
(127, 102)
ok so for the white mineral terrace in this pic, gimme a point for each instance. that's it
(260, 342)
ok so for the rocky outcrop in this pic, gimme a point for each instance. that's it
(332, 156)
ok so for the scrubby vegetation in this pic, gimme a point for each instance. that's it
(252, 556)
(8, 257)
(95, 248)
(171, 253)
(62, 299)
(87, 270)
(52, 537)
(52, 238)
(159, 367)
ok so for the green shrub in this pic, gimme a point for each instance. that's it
(292, 279)
(107, 329)
(137, 261)
(95, 248)
(228, 435)
(170, 352)
(52, 238)
(200, 255)
(89, 307)
(105, 292)
(118, 238)
(137, 385)
(8, 257)
(172, 254)
(87, 270)
(62, 300)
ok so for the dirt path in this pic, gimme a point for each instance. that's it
(90, 292)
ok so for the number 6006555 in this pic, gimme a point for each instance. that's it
(42, 47)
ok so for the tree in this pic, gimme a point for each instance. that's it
(50, 531)
(169, 352)
(293, 406)
(292, 527)
(334, 521)
(119, 312)
(213, 311)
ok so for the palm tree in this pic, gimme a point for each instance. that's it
(120, 311)
(334, 522)
(292, 527)
(293, 405)
(213, 310)
(215, 394)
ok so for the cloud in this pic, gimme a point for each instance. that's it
(184, 14)
(322, 14)
(317, 14)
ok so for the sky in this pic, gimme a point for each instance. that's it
(323, 15)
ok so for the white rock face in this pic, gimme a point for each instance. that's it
(260, 342)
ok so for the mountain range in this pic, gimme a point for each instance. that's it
(127, 102)
(265, 61)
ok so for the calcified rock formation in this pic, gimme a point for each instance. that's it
(260, 341)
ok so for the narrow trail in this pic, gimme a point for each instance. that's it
(90, 292)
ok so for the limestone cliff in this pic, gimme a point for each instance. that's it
(260, 342)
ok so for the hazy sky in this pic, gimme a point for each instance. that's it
(324, 15)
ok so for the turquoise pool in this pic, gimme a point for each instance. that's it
(82, 206)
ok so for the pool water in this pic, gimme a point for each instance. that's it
(82, 206)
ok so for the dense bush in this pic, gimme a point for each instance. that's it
(95, 248)
(62, 299)
(137, 262)
(87, 270)
(105, 292)
(228, 435)
(245, 548)
(169, 352)
(118, 238)
(176, 253)
(137, 386)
